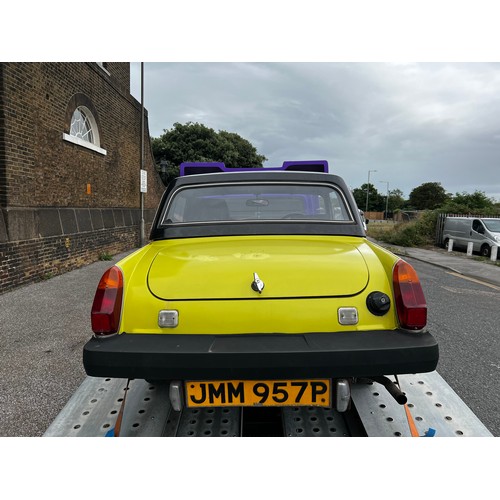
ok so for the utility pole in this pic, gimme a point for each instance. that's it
(368, 189)
(142, 230)
(386, 198)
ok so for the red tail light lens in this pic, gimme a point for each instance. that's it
(409, 297)
(107, 305)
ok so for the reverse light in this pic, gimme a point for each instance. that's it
(107, 305)
(409, 297)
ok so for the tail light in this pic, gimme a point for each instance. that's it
(409, 297)
(107, 305)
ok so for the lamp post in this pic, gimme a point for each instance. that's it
(368, 189)
(386, 198)
(141, 227)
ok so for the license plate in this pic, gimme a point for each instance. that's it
(315, 392)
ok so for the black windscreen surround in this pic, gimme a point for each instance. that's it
(258, 202)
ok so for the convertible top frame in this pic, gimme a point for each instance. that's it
(291, 172)
(192, 168)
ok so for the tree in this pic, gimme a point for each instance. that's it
(196, 142)
(376, 201)
(428, 196)
(475, 203)
(396, 200)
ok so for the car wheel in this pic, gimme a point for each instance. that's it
(485, 250)
(445, 243)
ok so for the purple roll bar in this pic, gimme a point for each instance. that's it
(191, 168)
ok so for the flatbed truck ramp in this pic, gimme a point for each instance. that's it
(432, 409)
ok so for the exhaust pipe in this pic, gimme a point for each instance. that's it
(391, 387)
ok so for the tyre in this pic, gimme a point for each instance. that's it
(485, 250)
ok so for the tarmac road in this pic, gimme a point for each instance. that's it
(44, 326)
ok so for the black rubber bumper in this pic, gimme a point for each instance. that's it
(311, 355)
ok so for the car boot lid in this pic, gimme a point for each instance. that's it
(257, 267)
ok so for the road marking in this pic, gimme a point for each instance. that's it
(474, 280)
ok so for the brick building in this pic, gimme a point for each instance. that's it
(70, 158)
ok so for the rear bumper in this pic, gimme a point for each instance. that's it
(327, 355)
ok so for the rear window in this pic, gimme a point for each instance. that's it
(256, 202)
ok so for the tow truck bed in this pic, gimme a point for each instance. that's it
(435, 409)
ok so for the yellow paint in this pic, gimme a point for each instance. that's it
(208, 281)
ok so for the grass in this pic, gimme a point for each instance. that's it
(105, 256)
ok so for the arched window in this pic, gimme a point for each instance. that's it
(83, 129)
(81, 125)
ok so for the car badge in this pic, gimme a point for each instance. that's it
(257, 284)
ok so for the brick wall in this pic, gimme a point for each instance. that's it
(33, 260)
(52, 190)
(3, 153)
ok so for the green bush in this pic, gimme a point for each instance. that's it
(419, 232)
(426, 224)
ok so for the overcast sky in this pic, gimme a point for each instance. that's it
(411, 122)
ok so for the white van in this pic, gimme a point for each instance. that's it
(483, 233)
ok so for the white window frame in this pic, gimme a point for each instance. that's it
(95, 145)
(101, 65)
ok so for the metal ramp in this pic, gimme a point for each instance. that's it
(94, 408)
(311, 421)
(432, 402)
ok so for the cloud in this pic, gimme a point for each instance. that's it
(412, 122)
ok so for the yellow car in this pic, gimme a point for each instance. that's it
(259, 287)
